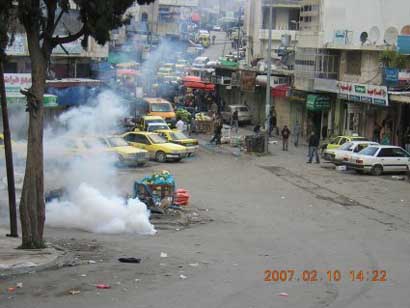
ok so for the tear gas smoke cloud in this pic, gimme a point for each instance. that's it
(91, 202)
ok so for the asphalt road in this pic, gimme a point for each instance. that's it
(222, 46)
(272, 213)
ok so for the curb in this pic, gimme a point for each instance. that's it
(61, 259)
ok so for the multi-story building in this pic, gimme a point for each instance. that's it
(285, 19)
(338, 65)
(285, 23)
(69, 60)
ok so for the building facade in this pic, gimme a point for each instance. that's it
(338, 67)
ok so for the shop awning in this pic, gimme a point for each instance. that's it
(400, 97)
(195, 82)
(317, 102)
(280, 90)
(127, 72)
(196, 17)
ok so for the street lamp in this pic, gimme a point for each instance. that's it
(268, 73)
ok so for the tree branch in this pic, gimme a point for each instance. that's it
(67, 39)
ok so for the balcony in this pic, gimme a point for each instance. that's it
(276, 34)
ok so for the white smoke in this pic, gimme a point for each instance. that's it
(91, 202)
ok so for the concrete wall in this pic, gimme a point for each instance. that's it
(360, 16)
(371, 72)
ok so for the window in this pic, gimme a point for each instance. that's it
(130, 138)
(400, 153)
(336, 140)
(387, 152)
(265, 18)
(360, 147)
(141, 139)
(342, 141)
(347, 146)
(157, 139)
(117, 142)
(354, 62)
(161, 107)
(369, 151)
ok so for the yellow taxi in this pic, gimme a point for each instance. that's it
(338, 141)
(86, 147)
(158, 147)
(178, 137)
(145, 121)
(126, 154)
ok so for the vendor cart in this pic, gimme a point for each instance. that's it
(153, 194)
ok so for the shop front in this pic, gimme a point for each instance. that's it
(366, 111)
(318, 109)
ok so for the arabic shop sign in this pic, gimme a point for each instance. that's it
(363, 93)
(14, 82)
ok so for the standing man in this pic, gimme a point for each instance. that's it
(313, 148)
(180, 125)
(296, 133)
(285, 137)
(235, 121)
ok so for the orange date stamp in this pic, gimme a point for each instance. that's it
(312, 276)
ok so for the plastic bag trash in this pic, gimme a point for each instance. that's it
(10, 290)
(103, 286)
(398, 178)
(194, 264)
(19, 285)
(164, 255)
(130, 260)
(74, 292)
(92, 262)
(83, 275)
(283, 197)
(341, 168)
(183, 276)
(283, 294)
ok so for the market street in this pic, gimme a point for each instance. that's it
(267, 213)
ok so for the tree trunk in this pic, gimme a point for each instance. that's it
(32, 206)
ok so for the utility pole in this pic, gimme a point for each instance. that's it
(9, 156)
(268, 73)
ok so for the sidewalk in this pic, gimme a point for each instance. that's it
(17, 261)
(275, 145)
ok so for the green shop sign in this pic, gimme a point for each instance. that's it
(317, 103)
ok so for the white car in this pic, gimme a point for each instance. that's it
(200, 62)
(344, 153)
(379, 159)
(217, 28)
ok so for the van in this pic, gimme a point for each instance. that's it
(160, 107)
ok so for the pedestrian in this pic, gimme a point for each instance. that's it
(235, 121)
(213, 39)
(313, 148)
(376, 132)
(180, 125)
(218, 125)
(285, 137)
(272, 124)
(296, 133)
(257, 129)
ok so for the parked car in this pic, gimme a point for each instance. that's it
(217, 28)
(145, 121)
(244, 115)
(126, 154)
(343, 154)
(200, 62)
(154, 127)
(338, 141)
(158, 148)
(380, 159)
(179, 137)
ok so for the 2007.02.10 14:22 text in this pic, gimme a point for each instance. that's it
(312, 276)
